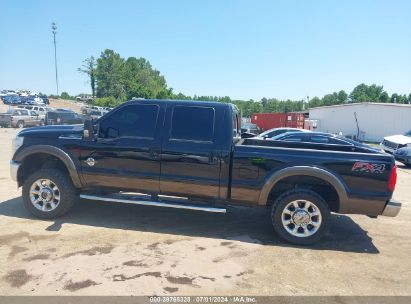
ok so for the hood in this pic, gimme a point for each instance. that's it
(52, 131)
(399, 139)
(403, 151)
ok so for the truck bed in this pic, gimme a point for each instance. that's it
(302, 145)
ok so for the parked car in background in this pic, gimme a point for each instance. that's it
(323, 138)
(394, 142)
(64, 110)
(95, 114)
(13, 100)
(38, 109)
(250, 128)
(86, 98)
(20, 118)
(34, 100)
(41, 111)
(277, 131)
(88, 109)
(63, 118)
(403, 155)
(45, 99)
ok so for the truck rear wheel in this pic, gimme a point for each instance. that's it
(49, 193)
(20, 124)
(300, 217)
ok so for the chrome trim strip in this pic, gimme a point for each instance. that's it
(152, 203)
(392, 208)
(70, 137)
(14, 168)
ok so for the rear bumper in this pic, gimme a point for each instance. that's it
(392, 208)
(14, 169)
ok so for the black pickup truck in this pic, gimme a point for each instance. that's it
(190, 155)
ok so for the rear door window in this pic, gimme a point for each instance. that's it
(320, 139)
(192, 123)
(294, 138)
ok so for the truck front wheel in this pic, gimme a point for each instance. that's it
(300, 216)
(48, 193)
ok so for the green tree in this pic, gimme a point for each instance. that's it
(315, 102)
(88, 68)
(141, 80)
(109, 75)
(65, 95)
(394, 98)
(363, 93)
(384, 97)
(342, 97)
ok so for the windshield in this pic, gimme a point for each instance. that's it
(280, 136)
(408, 133)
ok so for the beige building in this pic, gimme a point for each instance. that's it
(367, 121)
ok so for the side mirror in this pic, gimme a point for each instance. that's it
(88, 132)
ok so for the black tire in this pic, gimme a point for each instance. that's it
(294, 195)
(20, 124)
(68, 194)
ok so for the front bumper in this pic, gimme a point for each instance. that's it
(392, 208)
(14, 169)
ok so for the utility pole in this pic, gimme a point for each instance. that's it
(54, 31)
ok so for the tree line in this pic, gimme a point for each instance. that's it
(114, 79)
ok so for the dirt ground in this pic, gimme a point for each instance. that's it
(114, 249)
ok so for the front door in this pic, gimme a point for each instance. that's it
(190, 161)
(125, 155)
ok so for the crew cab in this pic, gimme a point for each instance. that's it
(394, 142)
(190, 155)
(20, 118)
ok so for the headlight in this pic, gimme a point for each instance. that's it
(17, 142)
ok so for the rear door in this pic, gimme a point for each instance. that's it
(190, 160)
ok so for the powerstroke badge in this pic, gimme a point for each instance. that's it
(368, 168)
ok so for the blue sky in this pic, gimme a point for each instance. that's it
(243, 49)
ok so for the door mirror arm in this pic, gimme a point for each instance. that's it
(88, 131)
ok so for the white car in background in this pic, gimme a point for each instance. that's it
(394, 142)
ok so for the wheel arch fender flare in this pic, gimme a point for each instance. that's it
(21, 155)
(320, 173)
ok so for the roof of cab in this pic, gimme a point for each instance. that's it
(182, 102)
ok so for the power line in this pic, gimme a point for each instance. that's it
(54, 31)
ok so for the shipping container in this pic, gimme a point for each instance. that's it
(267, 121)
(295, 120)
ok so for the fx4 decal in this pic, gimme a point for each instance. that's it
(368, 168)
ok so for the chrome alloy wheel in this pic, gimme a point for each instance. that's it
(44, 195)
(301, 218)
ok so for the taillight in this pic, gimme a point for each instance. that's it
(393, 178)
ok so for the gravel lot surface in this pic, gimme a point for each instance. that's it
(115, 249)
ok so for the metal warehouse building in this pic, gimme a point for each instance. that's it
(365, 121)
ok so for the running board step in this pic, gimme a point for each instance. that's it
(152, 203)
